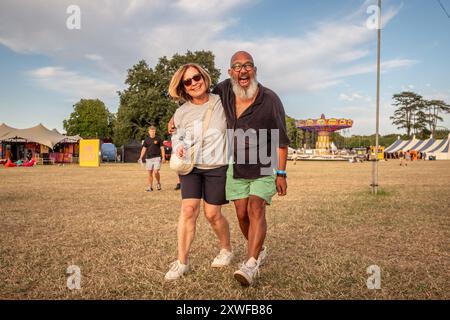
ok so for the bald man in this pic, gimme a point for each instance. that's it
(249, 106)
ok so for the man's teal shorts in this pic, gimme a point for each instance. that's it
(263, 187)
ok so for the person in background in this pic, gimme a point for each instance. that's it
(153, 150)
(8, 154)
(178, 186)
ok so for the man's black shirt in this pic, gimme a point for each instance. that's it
(153, 146)
(266, 112)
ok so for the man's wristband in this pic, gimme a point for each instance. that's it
(281, 173)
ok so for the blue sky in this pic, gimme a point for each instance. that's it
(319, 56)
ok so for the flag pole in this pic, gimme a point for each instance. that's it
(375, 161)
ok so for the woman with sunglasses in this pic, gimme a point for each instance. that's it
(191, 85)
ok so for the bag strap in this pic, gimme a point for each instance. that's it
(207, 117)
(206, 121)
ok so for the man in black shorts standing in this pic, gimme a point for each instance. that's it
(153, 150)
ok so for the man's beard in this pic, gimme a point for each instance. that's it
(245, 94)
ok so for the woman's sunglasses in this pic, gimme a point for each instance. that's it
(188, 82)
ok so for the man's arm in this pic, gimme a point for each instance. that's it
(171, 126)
(281, 182)
(282, 151)
(143, 151)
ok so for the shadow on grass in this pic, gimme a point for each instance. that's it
(381, 192)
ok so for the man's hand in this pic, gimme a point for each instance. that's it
(281, 186)
(140, 161)
(163, 159)
(171, 126)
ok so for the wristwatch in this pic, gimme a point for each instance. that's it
(281, 173)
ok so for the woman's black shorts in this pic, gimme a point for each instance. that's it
(205, 184)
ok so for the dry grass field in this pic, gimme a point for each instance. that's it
(321, 237)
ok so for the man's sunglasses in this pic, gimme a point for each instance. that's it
(188, 82)
(247, 66)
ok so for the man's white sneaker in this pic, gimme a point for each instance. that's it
(247, 272)
(262, 255)
(177, 270)
(223, 259)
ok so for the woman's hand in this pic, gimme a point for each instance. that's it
(180, 152)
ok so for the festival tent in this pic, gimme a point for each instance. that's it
(48, 144)
(72, 139)
(5, 129)
(38, 134)
(438, 148)
(333, 147)
(399, 145)
(131, 151)
(417, 145)
(441, 151)
(394, 145)
(426, 145)
(68, 139)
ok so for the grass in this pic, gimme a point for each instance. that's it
(322, 236)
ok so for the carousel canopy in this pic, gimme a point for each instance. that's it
(323, 124)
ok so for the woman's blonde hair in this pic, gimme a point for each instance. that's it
(176, 86)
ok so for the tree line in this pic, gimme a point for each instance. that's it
(418, 116)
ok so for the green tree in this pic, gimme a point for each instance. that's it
(338, 140)
(387, 140)
(432, 114)
(90, 119)
(441, 133)
(308, 139)
(146, 101)
(407, 103)
(293, 133)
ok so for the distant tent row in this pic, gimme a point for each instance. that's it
(37, 142)
(131, 151)
(438, 148)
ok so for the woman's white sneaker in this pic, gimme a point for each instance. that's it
(223, 259)
(176, 271)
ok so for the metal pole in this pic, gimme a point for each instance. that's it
(375, 161)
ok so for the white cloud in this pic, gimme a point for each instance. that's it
(93, 57)
(116, 34)
(209, 7)
(350, 97)
(437, 95)
(73, 84)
